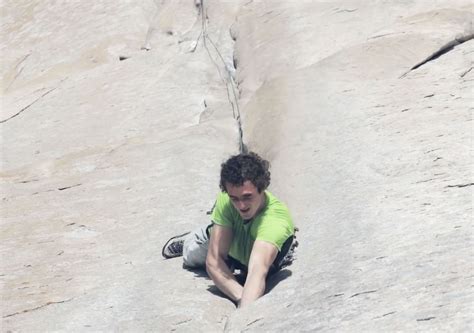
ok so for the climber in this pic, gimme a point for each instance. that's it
(251, 231)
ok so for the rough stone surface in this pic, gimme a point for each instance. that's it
(116, 115)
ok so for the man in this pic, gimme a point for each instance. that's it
(251, 230)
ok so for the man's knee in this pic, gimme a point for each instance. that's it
(285, 256)
(194, 252)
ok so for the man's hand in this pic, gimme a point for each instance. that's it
(262, 257)
(219, 245)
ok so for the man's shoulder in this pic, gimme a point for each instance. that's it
(274, 204)
(275, 225)
(276, 213)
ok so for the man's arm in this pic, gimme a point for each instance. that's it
(219, 245)
(262, 256)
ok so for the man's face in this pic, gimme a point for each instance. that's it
(246, 199)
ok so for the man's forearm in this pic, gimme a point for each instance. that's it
(225, 280)
(254, 288)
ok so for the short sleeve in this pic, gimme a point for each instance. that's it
(275, 231)
(222, 214)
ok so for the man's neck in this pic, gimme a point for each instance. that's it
(260, 209)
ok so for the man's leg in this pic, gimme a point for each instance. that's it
(195, 248)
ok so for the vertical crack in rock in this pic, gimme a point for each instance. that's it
(443, 50)
(229, 81)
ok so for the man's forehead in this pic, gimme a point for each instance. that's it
(246, 188)
(241, 194)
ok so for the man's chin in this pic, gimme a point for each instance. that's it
(246, 216)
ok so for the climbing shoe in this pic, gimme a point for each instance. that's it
(174, 247)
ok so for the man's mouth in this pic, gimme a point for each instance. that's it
(243, 211)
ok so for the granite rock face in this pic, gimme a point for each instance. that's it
(115, 118)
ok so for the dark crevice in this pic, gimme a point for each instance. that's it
(68, 187)
(235, 62)
(461, 185)
(389, 313)
(363, 293)
(27, 107)
(466, 72)
(425, 319)
(229, 81)
(443, 50)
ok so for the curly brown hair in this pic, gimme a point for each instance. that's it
(246, 166)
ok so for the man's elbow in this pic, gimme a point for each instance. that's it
(211, 265)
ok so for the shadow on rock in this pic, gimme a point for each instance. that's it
(201, 273)
(277, 278)
(198, 272)
(215, 291)
(272, 281)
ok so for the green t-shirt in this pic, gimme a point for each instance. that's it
(273, 224)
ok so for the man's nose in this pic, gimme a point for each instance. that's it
(241, 204)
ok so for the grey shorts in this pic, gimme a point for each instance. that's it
(195, 247)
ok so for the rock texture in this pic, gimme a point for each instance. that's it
(116, 116)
